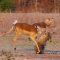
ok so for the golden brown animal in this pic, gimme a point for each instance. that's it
(41, 41)
(25, 28)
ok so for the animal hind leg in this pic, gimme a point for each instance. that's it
(15, 40)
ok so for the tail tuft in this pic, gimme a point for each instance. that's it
(15, 22)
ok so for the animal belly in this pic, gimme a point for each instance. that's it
(25, 32)
(28, 32)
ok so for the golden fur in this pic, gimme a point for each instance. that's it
(42, 41)
(25, 28)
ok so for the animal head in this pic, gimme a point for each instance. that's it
(50, 22)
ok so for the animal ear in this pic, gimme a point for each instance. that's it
(15, 22)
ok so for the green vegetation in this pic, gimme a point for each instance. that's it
(7, 5)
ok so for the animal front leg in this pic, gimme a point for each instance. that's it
(41, 49)
(36, 45)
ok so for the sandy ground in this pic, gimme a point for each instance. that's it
(25, 49)
(28, 56)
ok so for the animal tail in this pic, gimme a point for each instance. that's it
(11, 29)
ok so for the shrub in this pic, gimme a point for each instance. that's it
(7, 5)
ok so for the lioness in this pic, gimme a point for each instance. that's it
(45, 30)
